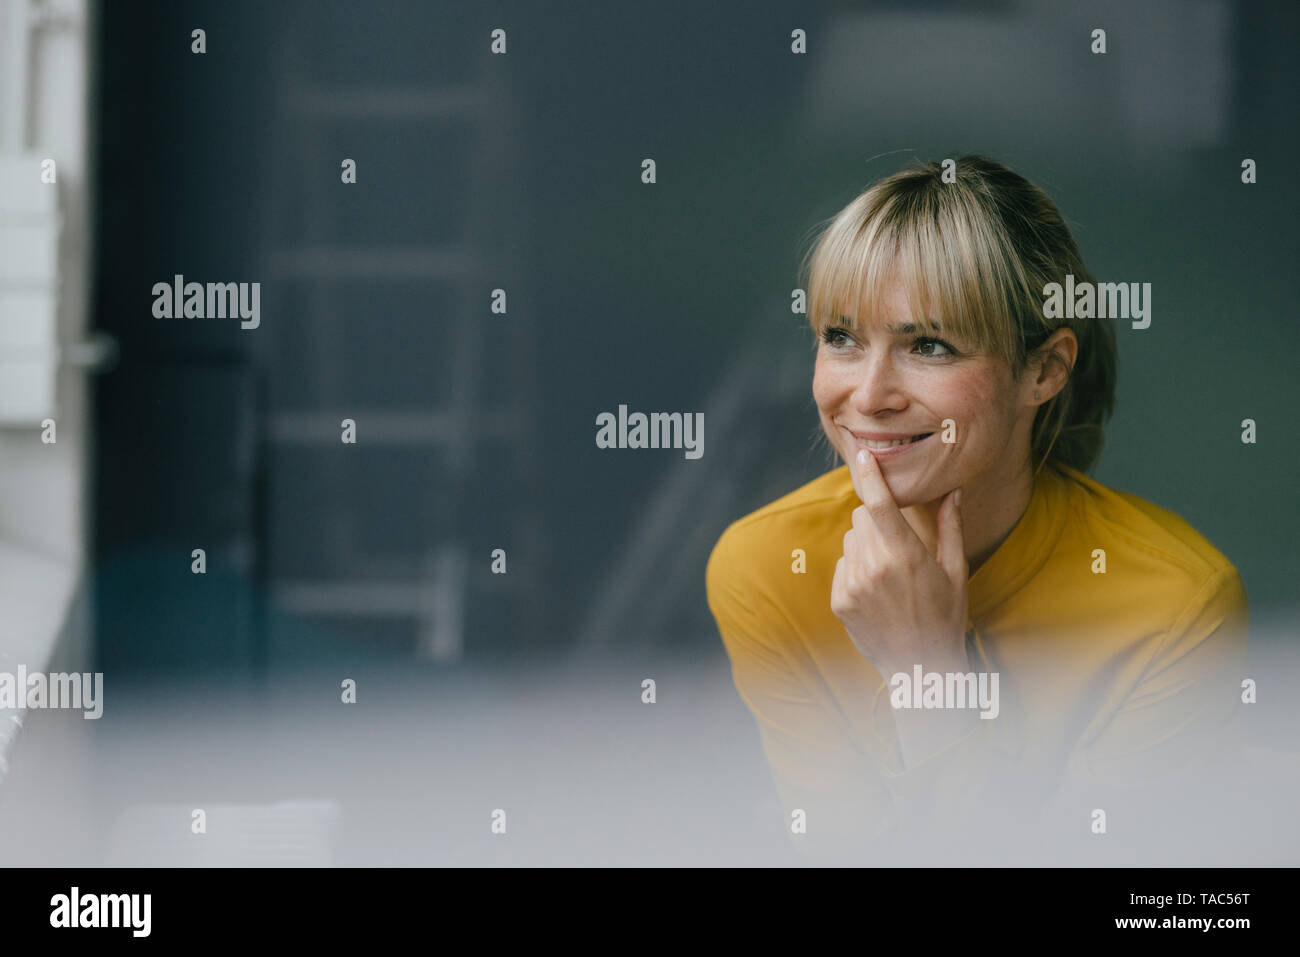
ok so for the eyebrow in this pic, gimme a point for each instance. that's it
(899, 329)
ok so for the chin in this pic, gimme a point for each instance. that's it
(907, 496)
(907, 490)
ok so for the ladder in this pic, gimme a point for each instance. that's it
(317, 270)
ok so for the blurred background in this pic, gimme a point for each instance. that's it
(475, 430)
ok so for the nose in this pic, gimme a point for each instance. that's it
(878, 387)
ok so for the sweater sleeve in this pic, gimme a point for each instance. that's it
(951, 787)
(1187, 697)
(817, 767)
(1180, 711)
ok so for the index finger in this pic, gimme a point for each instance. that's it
(869, 483)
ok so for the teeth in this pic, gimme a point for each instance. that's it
(891, 444)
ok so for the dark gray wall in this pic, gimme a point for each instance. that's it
(670, 297)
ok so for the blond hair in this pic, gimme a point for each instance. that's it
(973, 257)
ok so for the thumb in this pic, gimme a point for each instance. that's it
(951, 550)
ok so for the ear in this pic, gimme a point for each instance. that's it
(1051, 370)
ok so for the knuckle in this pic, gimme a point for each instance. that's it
(861, 585)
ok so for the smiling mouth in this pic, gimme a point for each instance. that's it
(893, 443)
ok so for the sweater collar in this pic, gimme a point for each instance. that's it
(1024, 551)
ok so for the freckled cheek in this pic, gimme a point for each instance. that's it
(828, 389)
(970, 402)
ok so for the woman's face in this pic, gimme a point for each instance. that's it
(888, 383)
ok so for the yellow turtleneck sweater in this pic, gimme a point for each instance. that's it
(1103, 675)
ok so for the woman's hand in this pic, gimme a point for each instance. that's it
(901, 605)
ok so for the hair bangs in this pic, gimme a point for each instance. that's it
(946, 261)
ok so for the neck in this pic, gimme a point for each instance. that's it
(990, 508)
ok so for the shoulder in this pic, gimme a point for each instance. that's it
(765, 538)
(1161, 547)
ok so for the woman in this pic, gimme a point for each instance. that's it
(959, 606)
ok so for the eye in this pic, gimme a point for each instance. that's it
(837, 337)
(928, 346)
